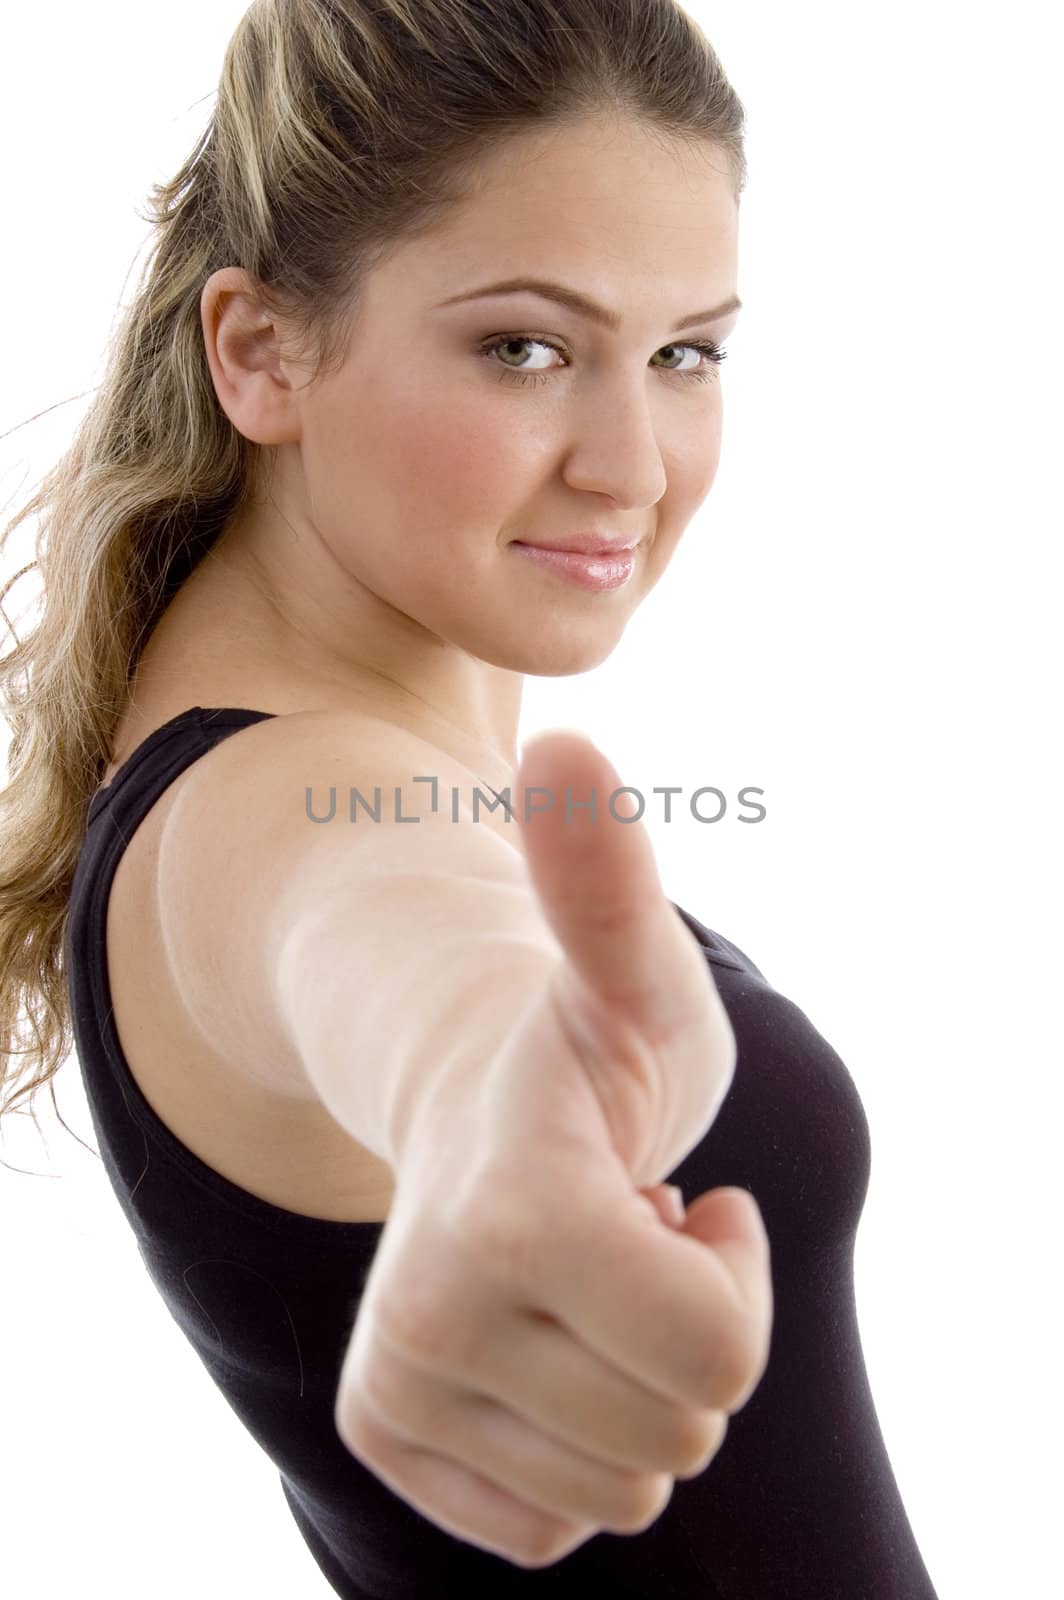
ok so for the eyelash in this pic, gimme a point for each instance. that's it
(714, 353)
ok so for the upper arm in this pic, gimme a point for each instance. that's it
(244, 873)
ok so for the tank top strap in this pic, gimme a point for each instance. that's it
(166, 752)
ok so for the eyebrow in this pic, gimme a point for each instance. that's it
(580, 303)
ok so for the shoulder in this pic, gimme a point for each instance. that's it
(332, 738)
(240, 871)
(303, 759)
(238, 864)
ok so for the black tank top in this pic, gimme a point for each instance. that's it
(800, 1503)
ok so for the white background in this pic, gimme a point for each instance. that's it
(861, 620)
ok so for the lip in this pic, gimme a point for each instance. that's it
(611, 570)
(584, 544)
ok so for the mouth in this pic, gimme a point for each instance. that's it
(584, 545)
(609, 570)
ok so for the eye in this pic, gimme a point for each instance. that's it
(712, 355)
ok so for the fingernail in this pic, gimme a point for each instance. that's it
(674, 1203)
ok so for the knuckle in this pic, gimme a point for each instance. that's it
(701, 1444)
(408, 1317)
(493, 1235)
(735, 1364)
(526, 1257)
(359, 1430)
(382, 1389)
(548, 1541)
(346, 1423)
(426, 1323)
(646, 1497)
(349, 1409)
(502, 1236)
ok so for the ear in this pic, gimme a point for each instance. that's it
(257, 387)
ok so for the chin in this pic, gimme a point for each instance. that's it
(578, 661)
(537, 657)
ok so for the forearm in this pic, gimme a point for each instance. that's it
(383, 1054)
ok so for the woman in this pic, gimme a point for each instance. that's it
(390, 1108)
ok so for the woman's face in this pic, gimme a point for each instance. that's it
(409, 473)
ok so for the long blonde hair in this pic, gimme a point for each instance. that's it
(341, 128)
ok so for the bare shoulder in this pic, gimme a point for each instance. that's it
(336, 765)
(331, 739)
(239, 861)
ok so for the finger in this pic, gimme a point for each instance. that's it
(667, 1200)
(526, 1362)
(598, 883)
(491, 1438)
(462, 1502)
(686, 1313)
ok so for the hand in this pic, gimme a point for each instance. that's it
(536, 1357)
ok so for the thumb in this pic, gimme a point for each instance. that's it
(729, 1221)
(592, 866)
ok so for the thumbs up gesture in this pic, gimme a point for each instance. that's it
(542, 1361)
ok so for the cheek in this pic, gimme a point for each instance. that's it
(417, 452)
(449, 448)
(693, 463)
